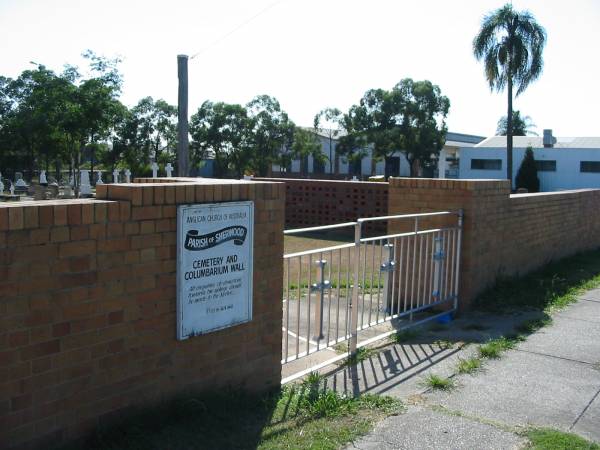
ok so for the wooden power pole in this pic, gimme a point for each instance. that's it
(183, 156)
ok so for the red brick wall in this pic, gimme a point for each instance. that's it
(87, 311)
(503, 234)
(320, 202)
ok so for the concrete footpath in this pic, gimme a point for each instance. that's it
(550, 380)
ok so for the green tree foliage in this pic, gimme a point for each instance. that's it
(304, 143)
(521, 126)
(527, 176)
(510, 43)
(410, 118)
(329, 122)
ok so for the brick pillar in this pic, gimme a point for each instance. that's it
(484, 202)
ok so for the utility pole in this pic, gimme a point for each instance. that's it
(183, 156)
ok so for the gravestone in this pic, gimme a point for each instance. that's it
(169, 169)
(20, 187)
(85, 189)
(116, 175)
(1, 185)
(43, 179)
(154, 170)
(99, 180)
(127, 176)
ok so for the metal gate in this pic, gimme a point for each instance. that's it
(350, 293)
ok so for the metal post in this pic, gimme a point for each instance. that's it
(457, 256)
(388, 268)
(354, 305)
(320, 288)
(438, 257)
(183, 156)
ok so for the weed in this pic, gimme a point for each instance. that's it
(434, 381)
(402, 336)
(495, 347)
(548, 439)
(360, 355)
(531, 326)
(313, 379)
(340, 348)
(444, 344)
(468, 365)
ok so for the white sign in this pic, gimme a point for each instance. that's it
(214, 266)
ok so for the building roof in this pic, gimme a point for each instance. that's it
(538, 142)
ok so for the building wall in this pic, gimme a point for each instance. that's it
(311, 203)
(503, 234)
(88, 300)
(566, 176)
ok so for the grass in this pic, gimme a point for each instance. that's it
(302, 416)
(437, 382)
(493, 348)
(548, 289)
(360, 355)
(469, 365)
(549, 439)
(403, 336)
(444, 344)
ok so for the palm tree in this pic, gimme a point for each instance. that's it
(521, 126)
(510, 43)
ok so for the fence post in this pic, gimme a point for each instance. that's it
(457, 256)
(354, 304)
(320, 288)
(438, 257)
(388, 268)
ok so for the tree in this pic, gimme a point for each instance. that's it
(411, 119)
(510, 43)
(521, 126)
(269, 131)
(303, 144)
(527, 176)
(329, 121)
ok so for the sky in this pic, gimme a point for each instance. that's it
(313, 54)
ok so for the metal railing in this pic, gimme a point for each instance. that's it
(331, 294)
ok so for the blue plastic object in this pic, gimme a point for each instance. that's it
(446, 318)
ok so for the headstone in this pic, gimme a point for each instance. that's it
(19, 181)
(116, 175)
(154, 170)
(169, 169)
(247, 177)
(354, 178)
(43, 179)
(68, 191)
(127, 176)
(99, 180)
(12, 189)
(84, 186)
(1, 184)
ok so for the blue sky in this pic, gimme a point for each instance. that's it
(313, 54)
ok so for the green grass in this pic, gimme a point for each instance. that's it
(444, 344)
(548, 439)
(550, 288)
(492, 349)
(403, 336)
(360, 355)
(303, 416)
(434, 381)
(469, 365)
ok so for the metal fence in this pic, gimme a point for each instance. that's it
(334, 293)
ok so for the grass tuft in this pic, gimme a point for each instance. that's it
(444, 344)
(434, 381)
(360, 355)
(403, 336)
(495, 347)
(549, 439)
(469, 365)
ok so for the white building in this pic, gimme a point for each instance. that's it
(562, 162)
(395, 165)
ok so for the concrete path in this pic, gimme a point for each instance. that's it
(550, 380)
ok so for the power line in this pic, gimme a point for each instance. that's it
(241, 25)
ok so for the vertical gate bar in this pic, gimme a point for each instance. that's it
(400, 277)
(431, 268)
(320, 278)
(414, 262)
(458, 244)
(287, 310)
(453, 255)
(354, 311)
(425, 266)
(394, 278)
(308, 306)
(364, 285)
(406, 279)
(372, 281)
(349, 294)
(329, 301)
(339, 281)
(418, 298)
(379, 281)
(298, 306)
(447, 264)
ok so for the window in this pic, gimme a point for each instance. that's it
(589, 166)
(486, 164)
(545, 165)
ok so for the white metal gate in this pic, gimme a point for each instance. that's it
(404, 278)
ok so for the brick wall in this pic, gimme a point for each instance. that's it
(321, 202)
(503, 234)
(87, 310)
